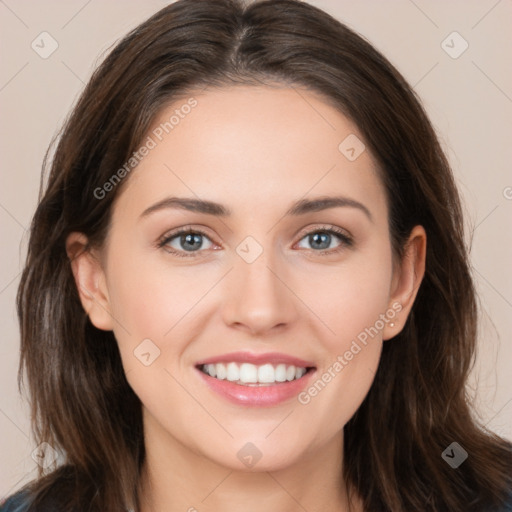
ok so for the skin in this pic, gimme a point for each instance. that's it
(256, 150)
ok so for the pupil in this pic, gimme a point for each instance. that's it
(317, 238)
(190, 238)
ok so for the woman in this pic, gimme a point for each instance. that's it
(247, 284)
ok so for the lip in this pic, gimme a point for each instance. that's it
(257, 396)
(257, 359)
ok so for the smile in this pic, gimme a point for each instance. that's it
(255, 380)
(247, 374)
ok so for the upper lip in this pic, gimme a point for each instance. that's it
(257, 359)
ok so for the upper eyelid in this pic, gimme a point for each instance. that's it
(324, 227)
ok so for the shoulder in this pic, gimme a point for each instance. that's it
(50, 493)
(22, 501)
(507, 506)
(18, 502)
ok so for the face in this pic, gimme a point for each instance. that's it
(264, 322)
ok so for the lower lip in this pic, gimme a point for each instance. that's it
(262, 396)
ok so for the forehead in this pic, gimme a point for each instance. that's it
(251, 147)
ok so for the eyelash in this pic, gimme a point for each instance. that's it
(346, 241)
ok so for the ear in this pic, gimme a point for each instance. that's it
(407, 277)
(90, 281)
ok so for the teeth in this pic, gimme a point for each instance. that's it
(280, 372)
(248, 373)
(221, 372)
(299, 372)
(232, 373)
(251, 374)
(266, 374)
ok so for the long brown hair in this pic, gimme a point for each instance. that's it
(81, 403)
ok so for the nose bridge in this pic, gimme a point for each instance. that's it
(257, 295)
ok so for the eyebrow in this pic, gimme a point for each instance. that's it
(300, 207)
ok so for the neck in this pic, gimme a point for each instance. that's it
(177, 479)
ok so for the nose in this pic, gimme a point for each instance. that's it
(259, 300)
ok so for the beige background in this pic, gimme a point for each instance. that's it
(469, 99)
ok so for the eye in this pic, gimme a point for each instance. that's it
(321, 238)
(187, 240)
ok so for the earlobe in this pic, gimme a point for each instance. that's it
(90, 281)
(407, 279)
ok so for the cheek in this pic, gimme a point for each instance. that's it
(349, 299)
(149, 299)
(158, 311)
(354, 305)
(153, 307)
